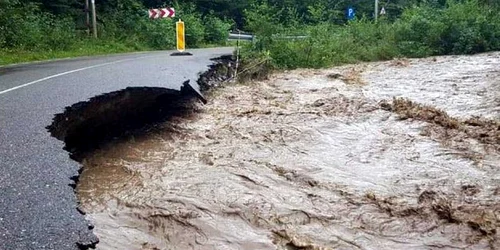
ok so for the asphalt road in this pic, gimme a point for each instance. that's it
(37, 205)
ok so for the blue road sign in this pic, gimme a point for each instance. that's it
(351, 12)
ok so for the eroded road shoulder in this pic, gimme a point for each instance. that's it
(37, 199)
(314, 159)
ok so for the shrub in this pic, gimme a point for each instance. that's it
(29, 28)
(122, 24)
(463, 27)
(460, 27)
(216, 30)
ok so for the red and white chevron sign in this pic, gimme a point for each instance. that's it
(161, 13)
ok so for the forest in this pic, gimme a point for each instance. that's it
(42, 29)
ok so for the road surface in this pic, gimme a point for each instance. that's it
(37, 205)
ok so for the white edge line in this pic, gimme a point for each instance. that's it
(68, 72)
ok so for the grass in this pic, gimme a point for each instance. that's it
(81, 48)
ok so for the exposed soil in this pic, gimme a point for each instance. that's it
(394, 155)
(86, 125)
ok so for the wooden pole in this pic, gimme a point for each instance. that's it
(87, 17)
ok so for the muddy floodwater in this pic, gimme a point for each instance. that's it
(403, 154)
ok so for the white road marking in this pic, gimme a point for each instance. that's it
(68, 72)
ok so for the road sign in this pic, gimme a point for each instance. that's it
(181, 41)
(161, 13)
(382, 11)
(351, 13)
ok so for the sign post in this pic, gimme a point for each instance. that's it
(94, 19)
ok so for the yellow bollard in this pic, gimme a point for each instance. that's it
(181, 41)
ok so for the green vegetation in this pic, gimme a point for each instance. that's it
(44, 29)
(425, 29)
(85, 47)
(38, 30)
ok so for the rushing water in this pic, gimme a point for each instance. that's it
(307, 161)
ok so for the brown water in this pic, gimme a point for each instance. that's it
(309, 160)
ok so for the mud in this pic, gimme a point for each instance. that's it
(409, 159)
(485, 131)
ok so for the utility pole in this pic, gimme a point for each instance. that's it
(94, 19)
(87, 17)
(376, 9)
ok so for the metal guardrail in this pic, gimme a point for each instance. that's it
(249, 37)
(291, 37)
(234, 36)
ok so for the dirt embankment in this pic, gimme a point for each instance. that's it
(393, 155)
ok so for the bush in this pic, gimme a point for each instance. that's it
(59, 34)
(457, 27)
(460, 27)
(418, 32)
(216, 30)
(195, 30)
(31, 29)
(123, 24)
(463, 27)
(327, 45)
